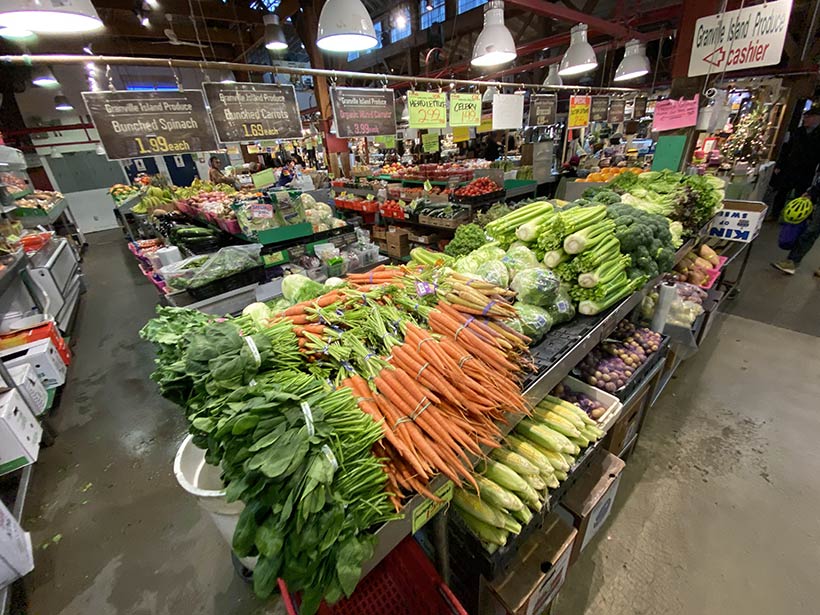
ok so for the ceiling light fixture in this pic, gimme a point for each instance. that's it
(44, 78)
(429, 7)
(553, 78)
(401, 20)
(63, 17)
(635, 63)
(144, 21)
(495, 44)
(87, 49)
(61, 103)
(15, 34)
(275, 39)
(489, 94)
(345, 25)
(580, 57)
(226, 76)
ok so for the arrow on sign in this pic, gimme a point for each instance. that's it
(715, 62)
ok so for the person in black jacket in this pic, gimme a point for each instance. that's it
(797, 162)
(807, 238)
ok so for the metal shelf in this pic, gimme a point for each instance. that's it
(16, 509)
(48, 219)
(128, 204)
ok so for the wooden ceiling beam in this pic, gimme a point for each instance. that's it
(118, 46)
(212, 9)
(121, 25)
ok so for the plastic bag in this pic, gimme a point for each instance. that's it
(494, 272)
(535, 321)
(562, 309)
(536, 286)
(178, 275)
(518, 258)
(200, 270)
(789, 234)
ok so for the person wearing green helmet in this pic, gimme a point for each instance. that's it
(807, 238)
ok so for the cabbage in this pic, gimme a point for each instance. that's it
(334, 282)
(494, 272)
(297, 287)
(536, 286)
(308, 202)
(535, 321)
(488, 252)
(562, 309)
(467, 264)
(279, 305)
(258, 312)
(519, 257)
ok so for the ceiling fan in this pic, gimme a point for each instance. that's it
(173, 39)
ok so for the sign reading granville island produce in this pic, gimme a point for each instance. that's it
(542, 110)
(136, 124)
(600, 109)
(253, 111)
(363, 112)
(616, 110)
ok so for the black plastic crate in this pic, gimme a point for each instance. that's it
(232, 282)
(481, 199)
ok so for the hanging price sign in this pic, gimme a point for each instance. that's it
(616, 110)
(253, 111)
(363, 112)
(427, 109)
(465, 109)
(599, 109)
(461, 134)
(388, 141)
(639, 108)
(542, 109)
(579, 111)
(430, 143)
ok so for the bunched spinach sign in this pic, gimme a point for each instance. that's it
(136, 124)
(253, 111)
(363, 112)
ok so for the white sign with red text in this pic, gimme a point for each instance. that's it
(736, 40)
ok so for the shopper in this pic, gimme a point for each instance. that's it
(806, 240)
(215, 174)
(287, 174)
(492, 149)
(797, 162)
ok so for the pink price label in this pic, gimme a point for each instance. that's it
(425, 288)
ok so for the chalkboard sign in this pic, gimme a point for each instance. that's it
(136, 124)
(600, 109)
(253, 111)
(363, 112)
(616, 110)
(639, 110)
(542, 110)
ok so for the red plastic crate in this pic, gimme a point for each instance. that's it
(404, 583)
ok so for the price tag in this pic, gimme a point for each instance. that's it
(460, 134)
(428, 187)
(579, 111)
(428, 509)
(251, 111)
(430, 143)
(427, 109)
(508, 111)
(599, 111)
(465, 109)
(370, 197)
(363, 112)
(486, 124)
(425, 288)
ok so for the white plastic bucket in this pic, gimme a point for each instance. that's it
(202, 480)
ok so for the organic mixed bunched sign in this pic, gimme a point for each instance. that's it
(736, 40)
(363, 112)
(253, 111)
(137, 124)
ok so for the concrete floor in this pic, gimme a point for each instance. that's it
(716, 513)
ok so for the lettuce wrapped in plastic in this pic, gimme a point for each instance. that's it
(536, 286)
(297, 287)
(519, 257)
(494, 272)
(534, 321)
(562, 309)
(488, 252)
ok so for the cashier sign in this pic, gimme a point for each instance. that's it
(736, 40)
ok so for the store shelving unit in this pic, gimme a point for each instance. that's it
(14, 497)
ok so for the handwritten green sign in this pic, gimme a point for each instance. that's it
(388, 141)
(427, 109)
(430, 143)
(465, 109)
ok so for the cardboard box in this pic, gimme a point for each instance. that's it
(586, 506)
(44, 331)
(534, 580)
(738, 220)
(631, 418)
(398, 243)
(379, 232)
(19, 433)
(42, 355)
(570, 190)
(427, 238)
(25, 378)
(16, 557)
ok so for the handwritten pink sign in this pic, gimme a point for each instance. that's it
(671, 114)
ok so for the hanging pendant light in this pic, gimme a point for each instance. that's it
(275, 39)
(61, 103)
(635, 63)
(553, 78)
(226, 76)
(44, 78)
(495, 44)
(345, 25)
(489, 94)
(580, 57)
(14, 34)
(63, 17)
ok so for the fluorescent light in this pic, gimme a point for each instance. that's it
(580, 57)
(63, 17)
(44, 78)
(495, 44)
(144, 21)
(553, 78)
(15, 34)
(275, 39)
(61, 103)
(635, 63)
(345, 25)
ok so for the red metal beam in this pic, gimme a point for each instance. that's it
(564, 13)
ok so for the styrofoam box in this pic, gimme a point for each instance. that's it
(25, 377)
(16, 557)
(612, 404)
(42, 356)
(19, 433)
